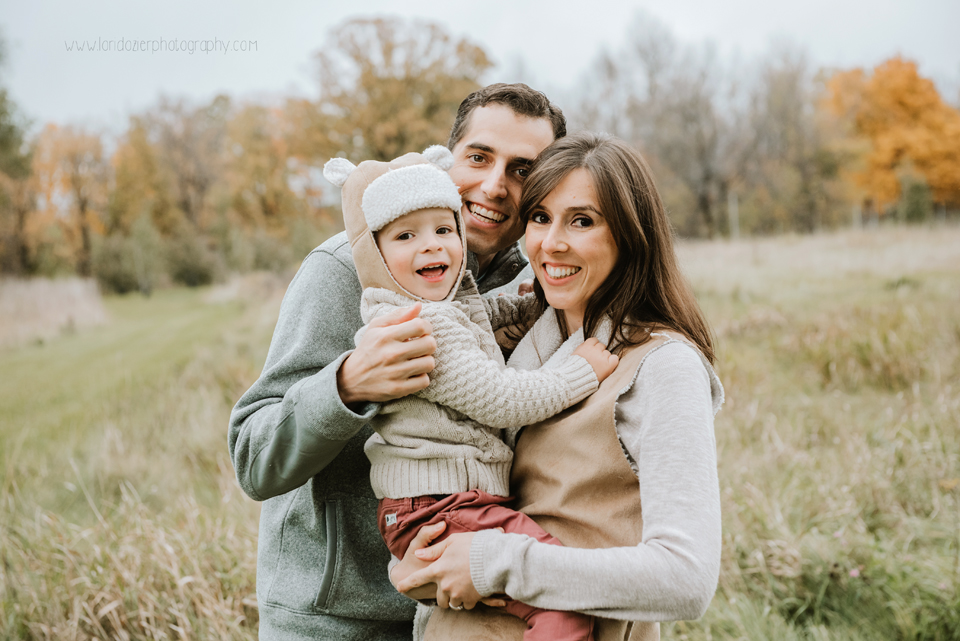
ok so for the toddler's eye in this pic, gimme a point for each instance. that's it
(444, 230)
(404, 236)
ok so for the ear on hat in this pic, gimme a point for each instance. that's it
(337, 170)
(439, 156)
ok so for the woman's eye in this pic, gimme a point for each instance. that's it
(539, 218)
(582, 221)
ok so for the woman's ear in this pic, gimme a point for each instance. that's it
(337, 170)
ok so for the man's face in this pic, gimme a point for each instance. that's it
(489, 165)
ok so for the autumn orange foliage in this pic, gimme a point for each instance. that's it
(908, 126)
(70, 178)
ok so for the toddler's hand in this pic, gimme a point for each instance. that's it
(602, 361)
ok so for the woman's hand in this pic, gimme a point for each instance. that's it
(449, 570)
(602, 361)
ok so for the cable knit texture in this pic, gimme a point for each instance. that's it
(447, 438)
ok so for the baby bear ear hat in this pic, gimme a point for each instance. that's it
(409, 183)
(377, 193)
(411, 188)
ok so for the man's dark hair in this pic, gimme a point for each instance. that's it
(520, 98)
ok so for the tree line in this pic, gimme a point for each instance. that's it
(188, 192)
(773, 144)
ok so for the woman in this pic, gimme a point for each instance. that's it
(627, 478)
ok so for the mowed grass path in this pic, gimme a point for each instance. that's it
(52, 388)
(57, 393)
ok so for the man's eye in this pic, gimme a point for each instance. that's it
(523, 172)
(476, 157)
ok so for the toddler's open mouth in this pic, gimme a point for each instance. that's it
(433, 272)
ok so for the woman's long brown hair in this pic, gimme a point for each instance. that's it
(646, 291)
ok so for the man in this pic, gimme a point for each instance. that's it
(297, 435)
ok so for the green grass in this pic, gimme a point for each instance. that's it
(118, 510)
(839, 452)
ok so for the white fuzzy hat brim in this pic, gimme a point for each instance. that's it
(407, 189)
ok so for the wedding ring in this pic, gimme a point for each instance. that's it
(456, 607)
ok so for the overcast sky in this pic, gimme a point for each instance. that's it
(555, 39)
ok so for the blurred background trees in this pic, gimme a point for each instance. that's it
(734, 145)
(189, 192)
(387, 87)
(16, 196)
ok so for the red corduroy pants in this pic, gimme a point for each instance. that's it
(399, 521)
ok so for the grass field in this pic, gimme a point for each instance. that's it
(838, 450)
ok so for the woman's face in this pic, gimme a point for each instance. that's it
(570, 246)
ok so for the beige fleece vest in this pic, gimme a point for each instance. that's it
(576, 483)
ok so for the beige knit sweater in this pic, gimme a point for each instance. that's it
(448, 438)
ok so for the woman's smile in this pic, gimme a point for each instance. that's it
(558, 273)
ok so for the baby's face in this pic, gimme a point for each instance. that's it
(423, 252)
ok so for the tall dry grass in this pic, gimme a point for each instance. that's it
(839, 451)
(839, 445)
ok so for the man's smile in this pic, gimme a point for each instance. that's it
(485, 215)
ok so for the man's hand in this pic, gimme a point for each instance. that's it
(392, 360)
(410, 563)
(602, 361)
(526, 287)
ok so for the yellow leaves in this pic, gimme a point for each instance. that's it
(908, 125)
(388, 86)
(258, 168)
(845, 92)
